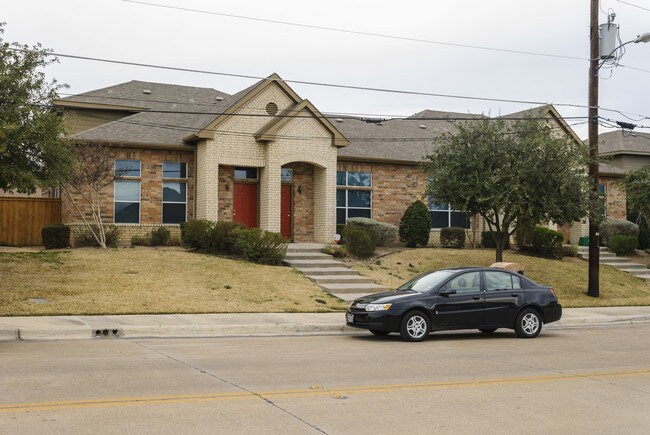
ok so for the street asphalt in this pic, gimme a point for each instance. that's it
(246, 324)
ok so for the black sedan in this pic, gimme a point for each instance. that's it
(480, 298)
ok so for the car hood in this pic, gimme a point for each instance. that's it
(386, 297)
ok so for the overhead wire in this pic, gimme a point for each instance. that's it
(354, 32)
(334, 85)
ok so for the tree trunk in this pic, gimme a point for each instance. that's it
(499, 255)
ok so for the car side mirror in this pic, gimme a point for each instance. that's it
(446, 292)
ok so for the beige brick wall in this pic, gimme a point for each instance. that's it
(615, 201)
(302, 139)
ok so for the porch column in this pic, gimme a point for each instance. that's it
(207, 182)
(270, 198)
(324, 204)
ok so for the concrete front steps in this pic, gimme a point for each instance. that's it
(621, 263)
(329, 274)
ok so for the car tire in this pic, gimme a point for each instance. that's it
(529, 324)
(380, 333)
(415, 326)
(488, 331)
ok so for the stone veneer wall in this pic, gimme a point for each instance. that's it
(150, 188)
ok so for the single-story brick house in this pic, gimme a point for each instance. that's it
(264, 157)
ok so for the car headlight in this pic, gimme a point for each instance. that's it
(378, 307)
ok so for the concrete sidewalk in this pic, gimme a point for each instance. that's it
(242, 325)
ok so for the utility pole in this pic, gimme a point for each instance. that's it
(593, 288)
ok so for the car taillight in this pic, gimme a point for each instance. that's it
(554, 294)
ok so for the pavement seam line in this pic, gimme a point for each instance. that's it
(205, 372)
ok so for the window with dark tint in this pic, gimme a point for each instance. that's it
(127, 202)
(501, 281)
(127, 168)
(174, 170)
(353, 195)
(442, 216)
(465, 283)
(174, 207)
(286, 175)
(245, 173)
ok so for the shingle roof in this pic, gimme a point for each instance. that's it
(172, 112)
(617, 142)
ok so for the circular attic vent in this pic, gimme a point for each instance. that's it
(272, 109)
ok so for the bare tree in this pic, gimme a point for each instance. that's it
(93, 171)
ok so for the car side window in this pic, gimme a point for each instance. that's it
(465, 283)
(501, 281)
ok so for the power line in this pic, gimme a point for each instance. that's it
(633, 5)
(334, 85)
(354, 32)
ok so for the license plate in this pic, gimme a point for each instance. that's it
(349, 317)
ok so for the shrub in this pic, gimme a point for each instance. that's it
(84, 237)
(415, 225)
(617, 227)
(336, 251)
(570, 251)
(386, 233)
(487, 240)
(56, 236)
(644, 231)
(452, 237)
(139, 241)
(623, 245)
(194, 234)
(546, 242)
(160, 236)
(360, 241)
(260, 246)
(523, 233)
(222, 237)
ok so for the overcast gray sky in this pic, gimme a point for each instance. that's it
(119, 30)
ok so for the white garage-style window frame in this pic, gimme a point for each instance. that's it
(127, 186)
(353, 195)
(174, 193)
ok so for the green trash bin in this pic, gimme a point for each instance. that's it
(583, 241)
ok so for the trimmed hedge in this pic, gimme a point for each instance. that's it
(487, 240)
(160, 236)
(452, 237)
(386, 233)
(617, 227)
(361, 241)
(623, 245)
(56, 236)
(415, 225)
(260, 246)
(194, 234)
(546, 242)
(221, 238)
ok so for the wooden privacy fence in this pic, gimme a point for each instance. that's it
(21, 219)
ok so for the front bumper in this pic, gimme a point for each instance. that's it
(375, 320)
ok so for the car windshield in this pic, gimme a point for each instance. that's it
(427, 281)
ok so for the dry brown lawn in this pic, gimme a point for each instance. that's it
(150, 280)
(568, 277)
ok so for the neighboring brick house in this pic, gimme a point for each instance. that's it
(625, 151)
(263, 157)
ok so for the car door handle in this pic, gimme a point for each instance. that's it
(514, 294)
(476, 298)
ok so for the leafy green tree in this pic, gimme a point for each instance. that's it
(34, 149)
(637, 187)
(509, 171)
(415, 225)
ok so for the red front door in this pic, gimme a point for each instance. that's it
(286, 210)
(245, 204)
